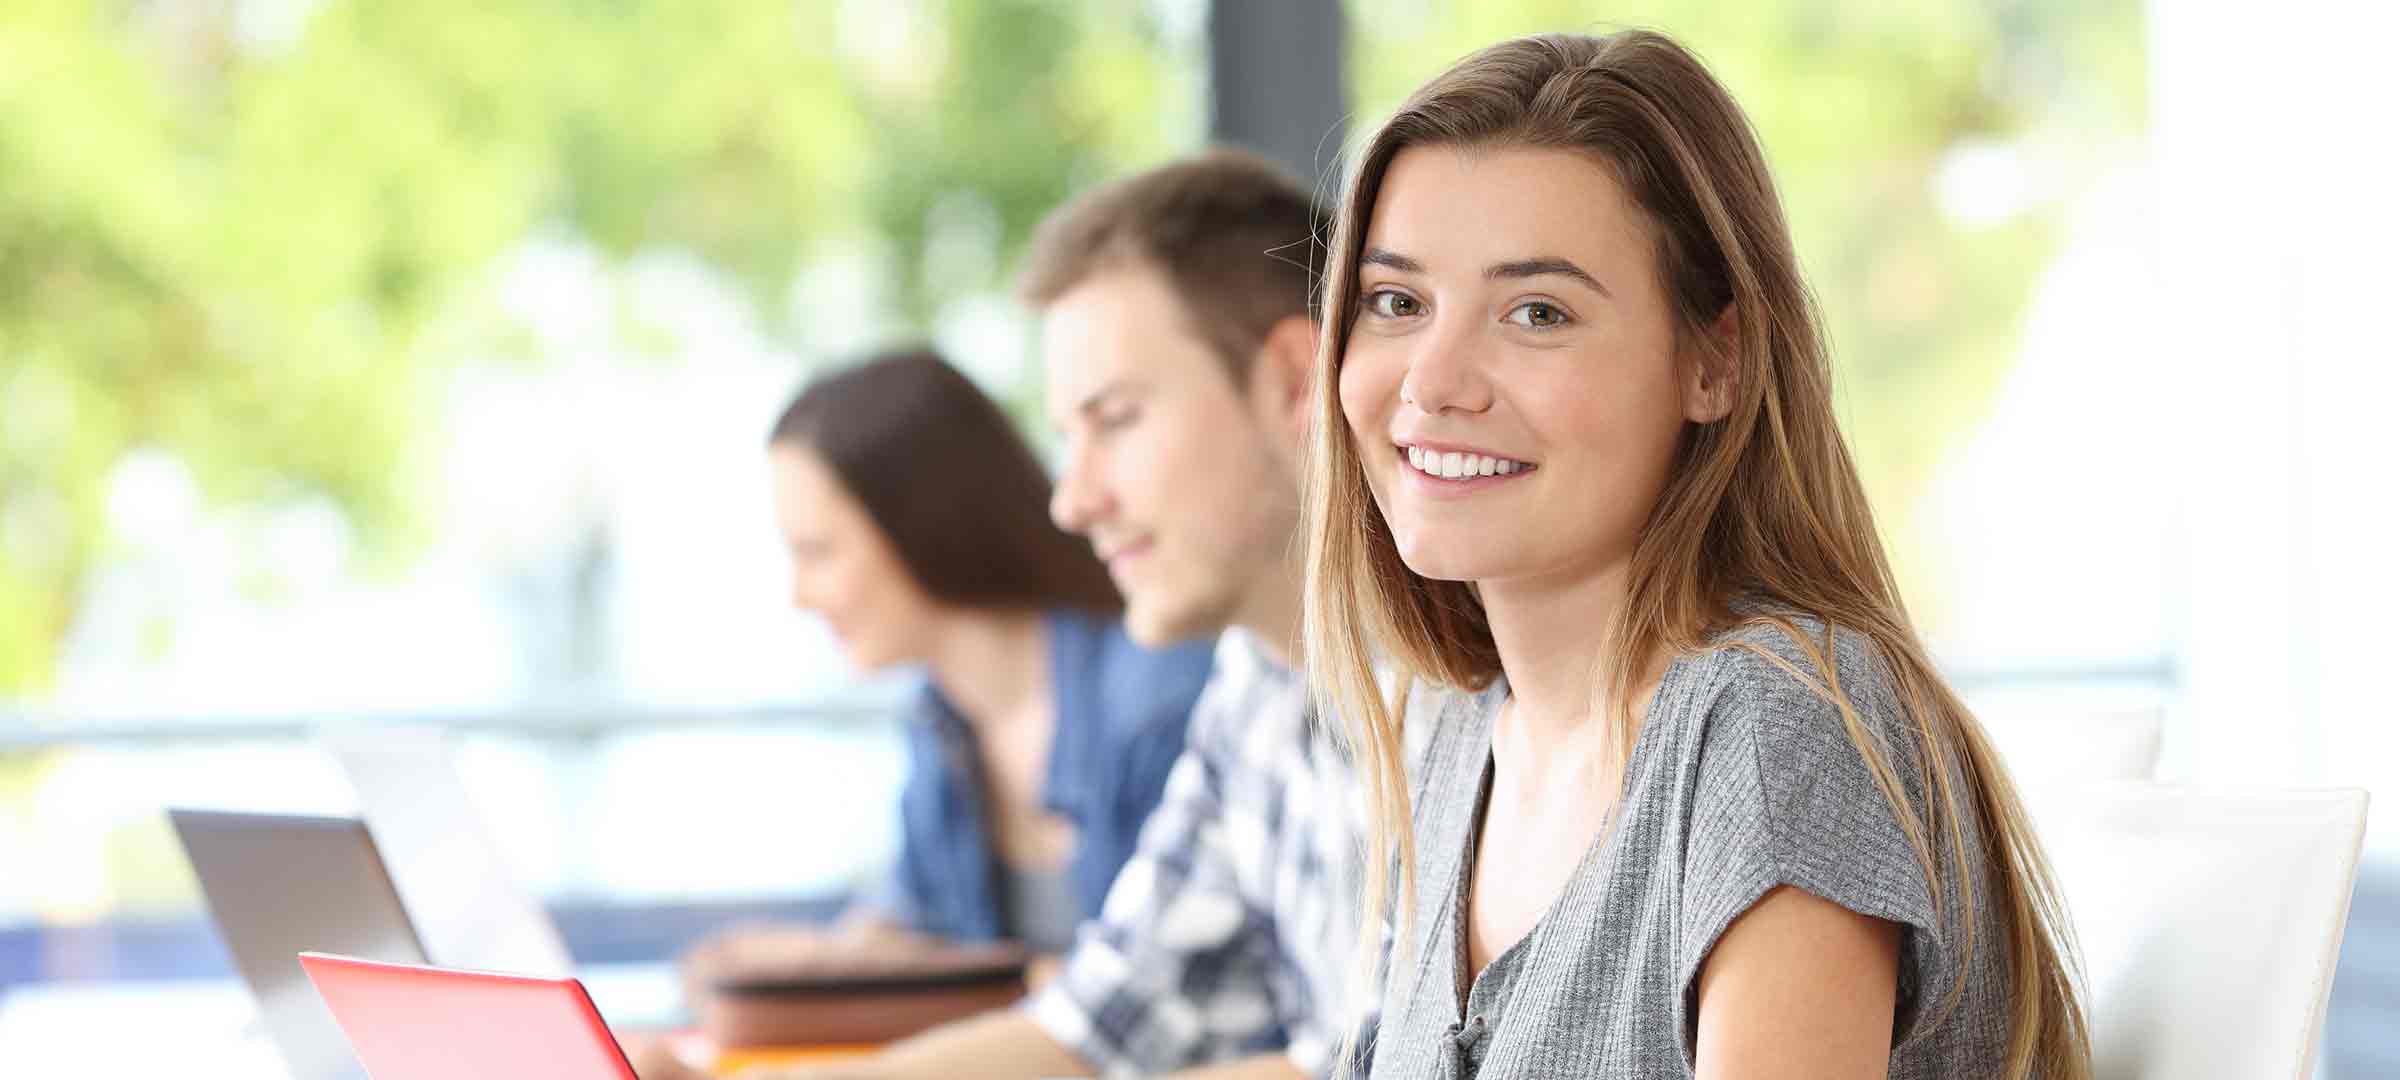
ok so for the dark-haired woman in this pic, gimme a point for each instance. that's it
(917, 522)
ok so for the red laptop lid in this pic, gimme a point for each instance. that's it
(422, 1023)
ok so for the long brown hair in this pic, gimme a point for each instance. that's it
(949, 481)
(1763, 515)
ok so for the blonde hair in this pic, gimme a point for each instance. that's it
(1763, 511)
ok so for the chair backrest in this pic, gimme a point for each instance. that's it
(2044, 744)
(2208, 920)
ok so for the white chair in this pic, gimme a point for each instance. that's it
(2209, 920)
(2044, 744)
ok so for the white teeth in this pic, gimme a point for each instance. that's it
(1460, 466)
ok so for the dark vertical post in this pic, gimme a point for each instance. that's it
(1276, 81)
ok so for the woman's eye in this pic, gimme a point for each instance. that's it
(1392, 305)
(1538, 315)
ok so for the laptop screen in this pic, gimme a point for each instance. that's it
(281, 885)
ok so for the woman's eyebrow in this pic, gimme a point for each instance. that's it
(1541, 265)
(1533, 266)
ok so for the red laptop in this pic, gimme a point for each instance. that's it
(422, 1023)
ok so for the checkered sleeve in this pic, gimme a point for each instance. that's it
(1179, 969)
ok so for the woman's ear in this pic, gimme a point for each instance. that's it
(1708, 371)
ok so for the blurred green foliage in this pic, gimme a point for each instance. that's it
(256, 234)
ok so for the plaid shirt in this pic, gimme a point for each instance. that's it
(1229, 933)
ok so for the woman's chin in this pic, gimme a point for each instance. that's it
(1445, 563)
(869, 662)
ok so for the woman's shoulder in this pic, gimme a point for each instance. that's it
(1120, 677)
(1104, 642)
(1791, 690)
(1789, 668)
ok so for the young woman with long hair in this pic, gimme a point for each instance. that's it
(1697, 801)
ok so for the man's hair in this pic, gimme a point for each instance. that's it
(1236, 238)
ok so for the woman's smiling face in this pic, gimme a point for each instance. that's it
(1511, 379)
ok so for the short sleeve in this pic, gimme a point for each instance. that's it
(1783, 796)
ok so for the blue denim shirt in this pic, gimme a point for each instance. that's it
(1121, 713)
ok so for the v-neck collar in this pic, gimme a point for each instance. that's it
(1594, 863)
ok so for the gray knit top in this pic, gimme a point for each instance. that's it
(1742, 779)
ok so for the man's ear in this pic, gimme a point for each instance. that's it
(1280, 376)
(1708, 371)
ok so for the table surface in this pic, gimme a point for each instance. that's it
(209, 1027)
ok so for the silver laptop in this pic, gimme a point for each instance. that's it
(278, 885)
(417, 882)
(466, 904)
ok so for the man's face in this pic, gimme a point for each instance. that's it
(1181, 477)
